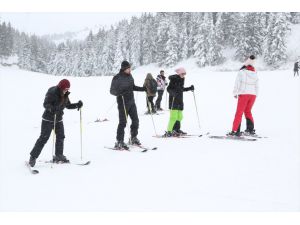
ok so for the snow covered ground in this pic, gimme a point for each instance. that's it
(192, 174)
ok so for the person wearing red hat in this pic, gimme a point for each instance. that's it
(56, 100)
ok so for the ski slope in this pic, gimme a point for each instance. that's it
(191, 174)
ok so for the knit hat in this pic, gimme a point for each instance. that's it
(125, 65)
(64, 84)
(250, 61)
(180, 70)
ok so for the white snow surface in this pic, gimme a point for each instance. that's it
(192, 174)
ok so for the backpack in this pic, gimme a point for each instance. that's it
(153, 86)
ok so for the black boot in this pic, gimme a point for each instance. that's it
(176, 125)
(171, 134)
(180, 132)
(32, 161)
(176, 128)
(121, 145)
(249, 125)
(234, 134)
(168, 134)
(134, 141)
(60, 159)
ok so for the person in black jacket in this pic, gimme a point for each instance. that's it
(296, 68)
(175, 90)
(57, 98)
(122, 86)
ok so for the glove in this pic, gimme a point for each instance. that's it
(79, 104)
(192, 88)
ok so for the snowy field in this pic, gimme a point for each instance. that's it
(191, 174)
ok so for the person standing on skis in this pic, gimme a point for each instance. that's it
(56, 100)
(151, 85)
(296, 69)
(175, 90)
(161, 85)
(245, 90)
(122, 86)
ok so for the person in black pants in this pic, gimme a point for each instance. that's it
(296, 68)
(151, 92)
(57, 98)
(161, 86)
(122, 86)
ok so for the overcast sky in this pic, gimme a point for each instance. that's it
(50, 23)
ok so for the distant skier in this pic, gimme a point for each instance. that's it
(122, 86)
(151, 86)
(246, 90)
(176, 89)
(56, 100)
(296, 68)
(161, 86)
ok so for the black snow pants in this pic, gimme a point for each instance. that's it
(132, 113)
(47, 127)
(159, 98)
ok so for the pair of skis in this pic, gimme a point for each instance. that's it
(141, 147)
(236, 138)
(35, 171)
(244, 137)
(182, 135)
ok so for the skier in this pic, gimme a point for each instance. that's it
(296, 68)
(176, 89)
(246, 90)
(161, 85)
(151, 87)
(122, 86)
(56, 99)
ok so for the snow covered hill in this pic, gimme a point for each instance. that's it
(192, 174)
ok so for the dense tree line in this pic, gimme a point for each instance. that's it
(164, 38)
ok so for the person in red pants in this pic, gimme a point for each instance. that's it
(246, 90)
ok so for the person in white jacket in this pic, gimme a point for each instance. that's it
(246, 90)
(161, 85)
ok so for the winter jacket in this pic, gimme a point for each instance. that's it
(161, 82)
(123, 85)
(176, 89)
(246, 81)
(147, 85)
(55, 103)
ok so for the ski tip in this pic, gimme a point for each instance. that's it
(35, 171)
(87, 163)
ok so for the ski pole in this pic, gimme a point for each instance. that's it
(125, 112)
(149, 106)
(53, 140)
(110, 108)
(196, 110)
(166, 106)
(172, 103)
(80, 134)
(124, 108)
(105, 114)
